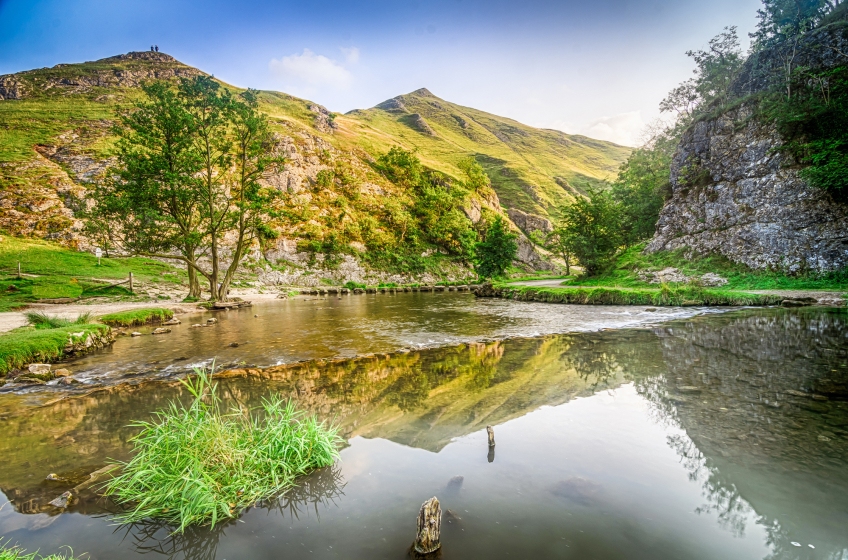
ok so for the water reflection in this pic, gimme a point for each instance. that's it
(753, 405)
(315, 492)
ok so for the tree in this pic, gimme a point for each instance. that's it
(780, 20)
(476, 178)
(714, 70)
(591, 230)
(497, 250)
(189, 163)
(559, 242)
(642, 185)
(149, 205)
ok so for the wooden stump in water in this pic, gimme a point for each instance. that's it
(491, 433)
(429, 527)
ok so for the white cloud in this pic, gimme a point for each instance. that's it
(351, 54)
(624, 128)
(311, 69)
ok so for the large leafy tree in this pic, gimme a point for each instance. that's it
(591, 230)
(189, 162)
(497, 250)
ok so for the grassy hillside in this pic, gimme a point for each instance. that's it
(531, 169)
(56, 138)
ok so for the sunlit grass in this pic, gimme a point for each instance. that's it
(198, 464)
(41, 320)
(136, 317)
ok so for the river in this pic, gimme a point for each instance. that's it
(651, 434)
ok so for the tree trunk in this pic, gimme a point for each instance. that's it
(193, 283)
(429, 527)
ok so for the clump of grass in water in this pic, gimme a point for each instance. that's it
(14, 552)
(197, 465)
(44, 321)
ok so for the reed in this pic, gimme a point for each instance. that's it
(197, 464)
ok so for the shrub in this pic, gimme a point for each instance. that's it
(196, 464)
(354, 285)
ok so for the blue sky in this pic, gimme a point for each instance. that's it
(595, 67)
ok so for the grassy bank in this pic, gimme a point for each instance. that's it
(50, 271)
(137, 317)
(625, 273)
(28, 345)
(685, 295)
(14, 552)
(197, 464)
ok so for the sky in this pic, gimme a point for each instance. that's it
(593, 67)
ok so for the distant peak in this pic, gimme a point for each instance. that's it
(423, 92)
(151, 56)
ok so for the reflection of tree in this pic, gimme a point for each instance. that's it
(722, 497)
(320, 488)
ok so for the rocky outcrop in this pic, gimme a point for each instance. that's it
(529, 223)
(125, 71)
(734, 192)
(325, 121)
(416, 122)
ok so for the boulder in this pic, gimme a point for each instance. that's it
(61, 372)
(135, 333)
(173, 321)
(161, 330)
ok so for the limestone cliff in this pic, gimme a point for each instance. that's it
(734, 192)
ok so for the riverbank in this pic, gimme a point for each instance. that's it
(679, 295)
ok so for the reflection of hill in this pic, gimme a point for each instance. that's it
(421, 399)
(736, 384)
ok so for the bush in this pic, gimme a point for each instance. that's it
(196, 464)
(350, 285)
(495, 253)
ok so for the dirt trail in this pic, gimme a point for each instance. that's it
(14, 319)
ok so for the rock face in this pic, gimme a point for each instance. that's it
(529, 222)
(735, 193)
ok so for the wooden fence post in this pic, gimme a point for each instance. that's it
(131, 283)
(19, 270)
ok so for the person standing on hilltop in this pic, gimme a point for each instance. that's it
(157, 48)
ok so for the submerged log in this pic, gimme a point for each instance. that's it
(429, 527)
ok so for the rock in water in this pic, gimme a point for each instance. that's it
(39, 369)
(63, 501)
(429, 527)
(161, 330)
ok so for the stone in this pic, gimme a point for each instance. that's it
(173, 321)
(161, 330)
(65, 381)
(63, 501)
(61, 372)
(135, 333)
(211, 321)
(794, 303)
(197, 326)
(39, 369)
(711, 280)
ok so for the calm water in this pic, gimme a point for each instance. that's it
(277, 332)
(713, 437)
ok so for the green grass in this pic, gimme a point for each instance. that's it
(44, 321)
(197, 464)
(51, 272)
(625, 273)
(14, 552)
(665, 295)
(137, 317)
(27, 345)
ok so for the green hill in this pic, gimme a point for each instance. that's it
(55, 138)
